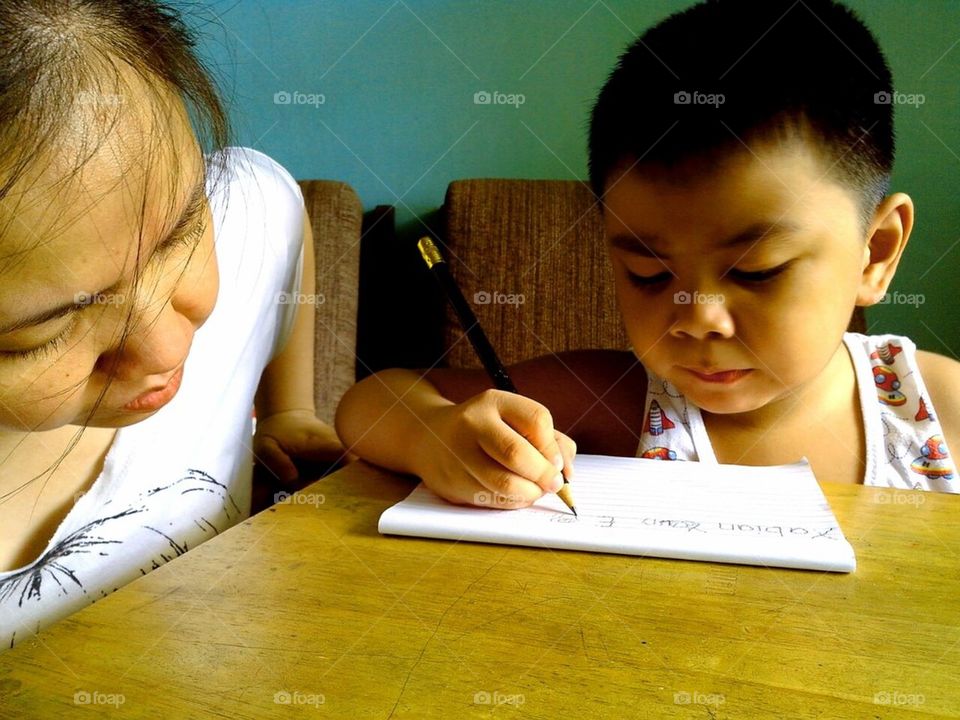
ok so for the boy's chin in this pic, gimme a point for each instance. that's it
(723, 400)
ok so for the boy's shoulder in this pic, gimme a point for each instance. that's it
(941, 375)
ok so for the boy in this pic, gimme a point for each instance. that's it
(741, 152)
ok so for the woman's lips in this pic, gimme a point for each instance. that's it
(719, 376)
(156, 399)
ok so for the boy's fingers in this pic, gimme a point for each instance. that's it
(475, 479)
(495, 486)
(568, 449)
(515, 459)
(527, 443)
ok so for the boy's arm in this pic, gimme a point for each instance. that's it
(287, 425)
(467, 441)
(596, 397)
(941, 375)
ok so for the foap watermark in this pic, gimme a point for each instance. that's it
(915, 497)
(484, 297)
(682, 297)
(698, 698)
(685, 97)
(899, 298)
(90, 98)
(299, 298)
(498, 698)
(95, 697)
(285, 498)
(295, 97)
(487, 498)
(899, 98)
(896, 697)
(285, 697)
(99, 298)
(484, 97)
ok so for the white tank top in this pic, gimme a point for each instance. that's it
(905, 443)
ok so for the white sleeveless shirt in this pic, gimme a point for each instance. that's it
(905, 445)
(182, 475)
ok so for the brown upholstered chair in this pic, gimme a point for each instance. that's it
(540, 241)
(336, 215)
(529, 255)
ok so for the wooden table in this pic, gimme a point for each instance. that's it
(306, 609)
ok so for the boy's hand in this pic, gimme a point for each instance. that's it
(497, 449)
(294, 434)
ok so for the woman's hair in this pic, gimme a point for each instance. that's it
(64, 62)
(55, 58)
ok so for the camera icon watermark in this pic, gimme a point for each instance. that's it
(898, 98)
(295, 97)
(285, 697)
(698, 698)
(899, 298)
(496, 697)
(95, 697)
(84, 299)
(684, 97)
(299, 298)
(300, 498)
(89, 98)
(682, 297)
(484, 297)
(906, 498)
(896, 697)
(484, 97)
(486, 498)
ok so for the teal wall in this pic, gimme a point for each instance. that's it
(399, 122)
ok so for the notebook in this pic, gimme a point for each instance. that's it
(773, 516)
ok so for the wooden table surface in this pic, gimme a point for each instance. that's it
(305, 609)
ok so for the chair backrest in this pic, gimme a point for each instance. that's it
(529, 256)
(336, 215)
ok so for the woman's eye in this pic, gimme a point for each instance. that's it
(648, 280)
(758, 276)
(39, 352)
(183, 240)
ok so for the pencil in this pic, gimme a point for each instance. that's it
(475, 334)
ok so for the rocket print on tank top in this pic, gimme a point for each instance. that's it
(905, 412)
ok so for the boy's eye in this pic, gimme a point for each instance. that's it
(757, 276)
(648, 280)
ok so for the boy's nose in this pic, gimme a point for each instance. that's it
(700, 315)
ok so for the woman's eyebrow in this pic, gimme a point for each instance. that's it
(82, 299)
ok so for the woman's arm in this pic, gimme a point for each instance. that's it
(287, 423)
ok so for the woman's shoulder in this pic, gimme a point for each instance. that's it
(249, 170)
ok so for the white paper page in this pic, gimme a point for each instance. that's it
(772, 515)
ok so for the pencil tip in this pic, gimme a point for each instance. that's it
(574, 512)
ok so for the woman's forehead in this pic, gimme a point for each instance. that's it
(68, 227)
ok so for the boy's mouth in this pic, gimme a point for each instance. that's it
(718, 376)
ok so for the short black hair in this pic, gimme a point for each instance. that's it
(717, 75)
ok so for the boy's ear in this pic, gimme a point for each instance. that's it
(887, 237)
